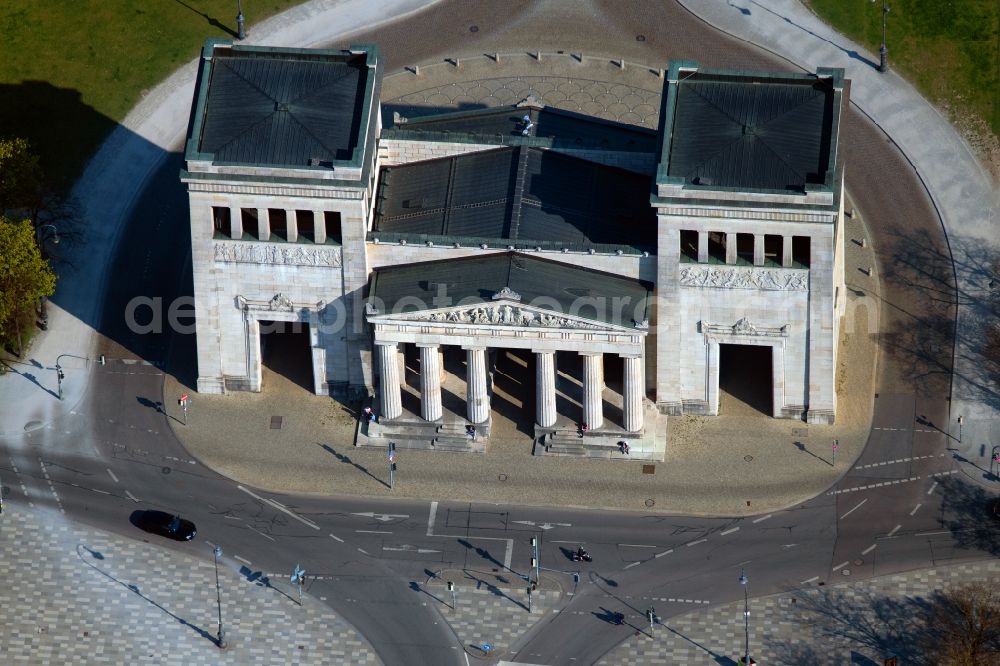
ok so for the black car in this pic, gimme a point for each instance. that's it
(165, 524)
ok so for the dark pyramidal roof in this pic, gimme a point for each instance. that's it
(542, 283)
(751, 133)
(288, 109)
(518, 194)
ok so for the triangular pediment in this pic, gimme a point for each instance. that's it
(505, 312)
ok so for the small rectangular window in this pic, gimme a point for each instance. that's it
(251, 228)
(307, 228)
(773, 247)
(279, 223)
(223, 222)
(689, 244)
(333, 231)
(744, 248)
(800, 251)
(717, 246)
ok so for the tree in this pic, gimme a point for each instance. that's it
(20, 176)
(24, 278)
(963, 626)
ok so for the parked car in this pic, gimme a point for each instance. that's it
(165, 524)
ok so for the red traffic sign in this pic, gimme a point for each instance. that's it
(184, 397)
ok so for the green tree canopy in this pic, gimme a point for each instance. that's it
(21, 177)
(24, 276)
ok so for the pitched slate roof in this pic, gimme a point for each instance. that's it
(287, 108)
(751, 131)
(519, 194)
(550, 285)
(564, 128)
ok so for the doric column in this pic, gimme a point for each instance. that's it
(292, 225)
(730, 248)
(430, 383)
(389, 393)
(319, 226)
(786, 251)
(702, 247)
(633, 382)
(263, 224)
(545, 389)
(758, 249)
(477, 399)
(593, 390)
(236, 222)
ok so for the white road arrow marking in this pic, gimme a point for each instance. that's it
(384, 517)
(406, 548)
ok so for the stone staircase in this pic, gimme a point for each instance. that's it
(564, 439)
(409, 433)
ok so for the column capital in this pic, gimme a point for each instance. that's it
(630, 355)
(543, 351)
(474, 347)
(386, 343)
(426, 345)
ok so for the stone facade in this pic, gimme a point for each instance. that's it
(730, 267)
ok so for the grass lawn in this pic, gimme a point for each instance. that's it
(71, 69)
(949, 50)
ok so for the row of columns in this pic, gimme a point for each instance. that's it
(477, 394)
(264, 224)
(758, 249)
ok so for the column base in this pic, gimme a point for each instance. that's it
(821, 416)
(214, 385)
(670, 408)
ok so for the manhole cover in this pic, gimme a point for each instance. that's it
(640, 38)
(502, 477)
(473, 28)
(276, 422)
(748, 458)
(165, 470)
(650, 502)
(649, 469)
(846, 572)
(32, 425)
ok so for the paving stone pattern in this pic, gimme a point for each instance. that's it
(77, 595)
(854, 623)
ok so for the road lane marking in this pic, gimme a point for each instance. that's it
(872, 485)
(373, 532)
(869, 549)
(915, 508)
(113, 477)
(381, 517)
(666, 552)
(932, 533)
(363, 551)
(932, 488)
(634, 564)
(841, 565)
(103, 492)
(637, 545)
(729, 531)
(281, 508)
(900, 460)
(895, 529)
(762, 518)
(431, 517)
(854, 509)
(243, 560)
(266, 536)
(509, 554)
(809, 580)
(132, 497)
(695, 543)
(337, 538)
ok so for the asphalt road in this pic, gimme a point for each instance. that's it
(900, 508)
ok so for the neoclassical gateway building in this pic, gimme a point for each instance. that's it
(601, 273)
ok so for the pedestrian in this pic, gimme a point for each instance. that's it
(623, 445)
(369, 414)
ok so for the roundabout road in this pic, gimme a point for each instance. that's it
(901, 507)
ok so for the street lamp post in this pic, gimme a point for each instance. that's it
(883, 51)
(217, 551)
(241, 33)
(746, 661)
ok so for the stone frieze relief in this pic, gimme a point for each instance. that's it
(277, 254)
(731, 277)
(502, 315)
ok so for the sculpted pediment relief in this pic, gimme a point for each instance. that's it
(500, 313)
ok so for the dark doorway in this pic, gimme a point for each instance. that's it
(745, 379)
(285, 351)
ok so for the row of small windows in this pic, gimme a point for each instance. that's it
(277, 225)
(773, 251)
